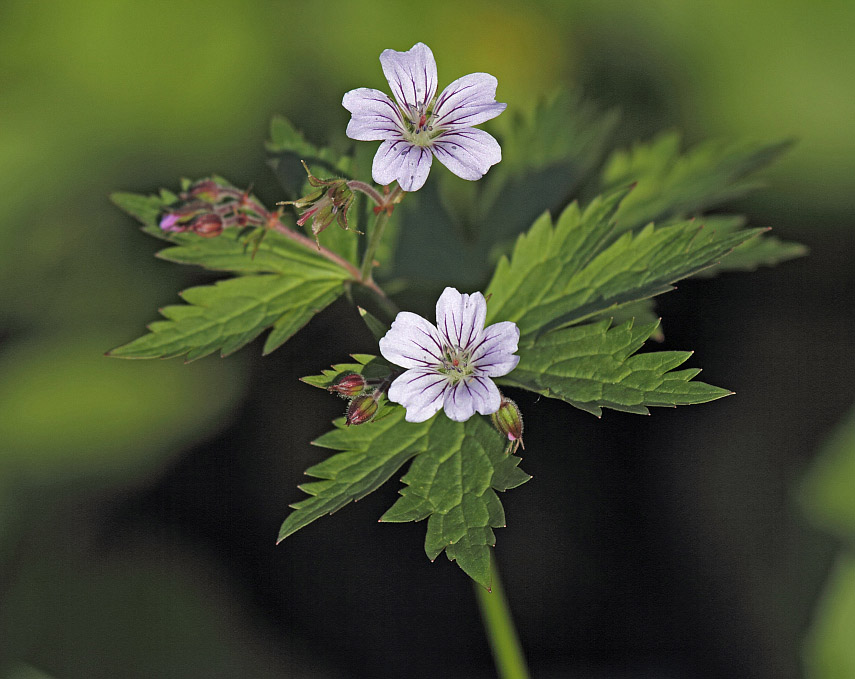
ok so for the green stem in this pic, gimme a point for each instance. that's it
(499, 628)
(374, 241)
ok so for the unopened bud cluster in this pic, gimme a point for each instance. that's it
(329, 200)
(364, 396)
(207, 208)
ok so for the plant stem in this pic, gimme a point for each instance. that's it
(384, 210)
(381, 296)
(376, 235)
(499, 628)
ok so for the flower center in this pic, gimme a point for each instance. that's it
(419, 125)
(456, 364)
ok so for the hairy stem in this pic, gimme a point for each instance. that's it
(367, 189)
(499, 628)
(378, 292)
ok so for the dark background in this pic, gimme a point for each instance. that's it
(140, 501)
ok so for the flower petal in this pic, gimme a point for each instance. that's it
(420, 391)
(412, 342)
(411, 75)
(468, 396)
(400, 160)
(468, 153)
(460, 318)
(494, 355)
(467, 101)
(373, 115)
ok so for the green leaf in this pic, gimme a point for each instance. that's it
(563, 274)
(458, 467)
(276, 253)
(594, 366)
(145, 208)
(377, 327)
(767, 250)
(372, 367)
(671, 184)
(448, 227)
(229, 314)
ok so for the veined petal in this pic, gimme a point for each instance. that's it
(412, 342)
(467, 101)
(420, 391)
(460, 317)
(400, 160)
(411, 75)
(373, 115)
(468, 153)
(494, 355)
(468, 396)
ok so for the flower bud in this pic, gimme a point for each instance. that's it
(180, 219)
(349, 385)
(361, 409)
(207, 190)
(207, 225)
(329, 200)
(508, 420)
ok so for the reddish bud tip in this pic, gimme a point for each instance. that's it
(349, 385)
(207, 225)
(508, 420)
(361, 409)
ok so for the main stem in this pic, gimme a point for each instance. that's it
(499, 628)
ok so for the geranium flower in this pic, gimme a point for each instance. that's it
(417, 126)
(449, 365)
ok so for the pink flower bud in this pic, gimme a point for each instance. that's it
(361, 409)
(207, 225)
(349, 385)
(508, 420)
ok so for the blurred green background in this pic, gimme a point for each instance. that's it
(139, 501)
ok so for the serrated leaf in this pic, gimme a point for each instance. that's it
(452, 481)
(229, 314)
(563, 274)
(146, 209)
(767, 250)
(671, 184)
(594, 367)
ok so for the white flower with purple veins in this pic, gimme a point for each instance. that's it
(449, 365)
(417, 126)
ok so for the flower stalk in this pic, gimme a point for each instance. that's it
(499, 628)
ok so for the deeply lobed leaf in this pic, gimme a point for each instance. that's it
(565, 273)
(231, 313)
(452, 482)
(595, 366)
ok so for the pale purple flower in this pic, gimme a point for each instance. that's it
(417, 126)
(449, 365)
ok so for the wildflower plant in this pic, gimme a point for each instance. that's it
(564, 314)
